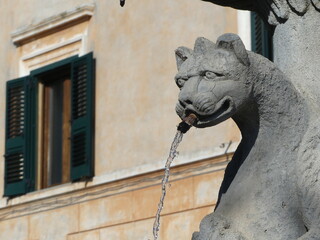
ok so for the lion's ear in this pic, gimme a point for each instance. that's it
(203, 45)
(233, 43)
(182, 54)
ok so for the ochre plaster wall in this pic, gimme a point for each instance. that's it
(123, 210)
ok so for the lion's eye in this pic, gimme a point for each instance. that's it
(180, 82)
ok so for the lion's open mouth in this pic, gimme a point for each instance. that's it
(223, 110)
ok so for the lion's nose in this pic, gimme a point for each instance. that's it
(188, 91)
(185, 101)
(205, 86)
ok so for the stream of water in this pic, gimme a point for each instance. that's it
(173, 153)
(183, 127)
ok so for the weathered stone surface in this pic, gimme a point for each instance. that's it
(275, 11)
(270, 188)
(296, 53)
(295, 40)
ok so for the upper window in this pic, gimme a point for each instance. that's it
(49, 126)
(54, 127)
(261, 37)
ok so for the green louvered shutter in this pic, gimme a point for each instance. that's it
(82, 89)
(31, 131)
(261, 37)
(19, 166)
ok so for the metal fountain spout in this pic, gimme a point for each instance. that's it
(187, 123)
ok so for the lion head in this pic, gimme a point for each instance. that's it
(212, 79)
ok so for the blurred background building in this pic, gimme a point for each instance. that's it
(87, 118)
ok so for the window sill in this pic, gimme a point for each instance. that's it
(72, 193)
(43, 194)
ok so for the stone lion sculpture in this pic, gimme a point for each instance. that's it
(271, 187)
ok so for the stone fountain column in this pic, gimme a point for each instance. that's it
(297, 51)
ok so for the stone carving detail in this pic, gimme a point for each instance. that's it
(316, 3)
(275, 11)
(271, 187)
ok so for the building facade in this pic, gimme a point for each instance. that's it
(87, 103)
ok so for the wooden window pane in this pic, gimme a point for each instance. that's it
(56, 132)
(66, 123)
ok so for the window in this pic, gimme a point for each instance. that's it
(49, 126)
(54, 127)
(261, 37)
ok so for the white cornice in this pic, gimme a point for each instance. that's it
(52, 24)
